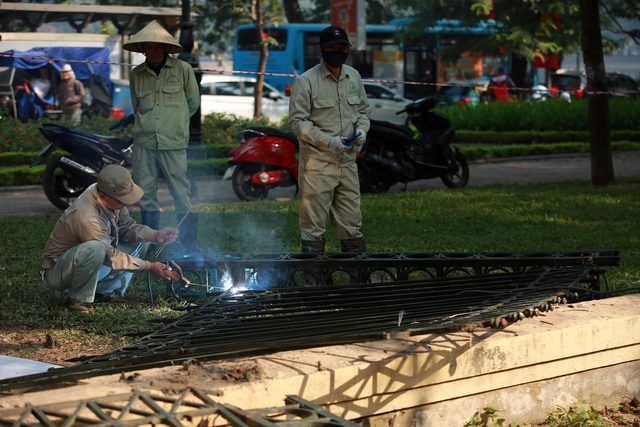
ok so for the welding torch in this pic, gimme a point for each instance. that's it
(176, 275)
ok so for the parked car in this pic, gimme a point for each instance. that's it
(234, 95)
(622, 85)
(575, 83)
(458, 93)
(572, 82)
(385, 103)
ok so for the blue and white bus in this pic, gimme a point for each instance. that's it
(385, 57)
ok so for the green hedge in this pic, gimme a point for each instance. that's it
(552, 115)
(487, 151)
(486, 131)
(536, 137)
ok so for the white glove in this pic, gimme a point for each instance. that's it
(360, 137)
(337, 144)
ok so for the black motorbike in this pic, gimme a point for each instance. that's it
(68, 175)
(397, 154)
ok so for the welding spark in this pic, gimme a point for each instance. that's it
(228, 285)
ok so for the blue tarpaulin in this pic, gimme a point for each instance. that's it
(97, 60)
(93, 70)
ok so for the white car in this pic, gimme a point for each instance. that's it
(234, 95)
(385, 103)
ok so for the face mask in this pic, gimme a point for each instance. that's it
(334, 59)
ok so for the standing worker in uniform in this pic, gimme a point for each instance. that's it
(328, 113)
(71, 93)
(164, 94)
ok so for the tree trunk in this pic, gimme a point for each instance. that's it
(258, 20)
(519, 73)
(598, 102)
(293, 12)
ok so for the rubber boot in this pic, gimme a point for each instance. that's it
(357, 244)
(151, 219)
(312, 275)
(189, 233)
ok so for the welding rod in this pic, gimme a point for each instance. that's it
(160, 249)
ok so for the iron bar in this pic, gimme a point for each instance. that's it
(263, 321)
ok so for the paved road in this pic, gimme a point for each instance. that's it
(30, 200)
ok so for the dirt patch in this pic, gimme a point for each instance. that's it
(57, 349)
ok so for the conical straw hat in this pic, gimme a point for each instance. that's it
(152, 33)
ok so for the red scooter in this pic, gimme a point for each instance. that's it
(265, 159)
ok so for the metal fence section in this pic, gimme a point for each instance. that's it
(212, 274)
(192, 407)
(252, 322)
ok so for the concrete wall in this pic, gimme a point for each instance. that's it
(588, 352)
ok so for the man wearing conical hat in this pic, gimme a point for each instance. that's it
(164, 95)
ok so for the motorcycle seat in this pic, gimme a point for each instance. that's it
(378, 124)
(113, 141)
(269, 131)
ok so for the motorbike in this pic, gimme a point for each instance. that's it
(396, 154)
(67, 176)
(265, 159)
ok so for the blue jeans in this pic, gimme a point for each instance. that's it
(80, 271)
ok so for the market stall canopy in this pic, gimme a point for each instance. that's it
(124, 18)
(85, 61)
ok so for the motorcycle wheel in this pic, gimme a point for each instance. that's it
(367, 183)
(460, 177)
(62, 184)
(244, 189)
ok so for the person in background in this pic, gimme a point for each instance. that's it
(71, 93)
(499, 88)
(164, 95)
(95, 247)
(328, 113)
(42, 84)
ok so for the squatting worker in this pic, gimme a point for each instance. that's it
(328, 106)
(164, 95)
(91, 251)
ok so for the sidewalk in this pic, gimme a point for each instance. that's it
(31, 200)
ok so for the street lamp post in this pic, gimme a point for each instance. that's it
(196, 147)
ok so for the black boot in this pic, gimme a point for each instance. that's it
(189, 232)
(312, 275)
(151, 219)
(357, 244)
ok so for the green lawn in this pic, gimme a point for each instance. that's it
(571, 216)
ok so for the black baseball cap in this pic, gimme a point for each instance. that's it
(333, 35)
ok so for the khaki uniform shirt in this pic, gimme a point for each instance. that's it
(322, 107)
(88, 219)
(163, 104)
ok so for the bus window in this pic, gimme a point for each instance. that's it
(311, 56)
(247, 39)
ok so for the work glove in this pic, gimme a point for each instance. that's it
(337, 144)
(359, 137)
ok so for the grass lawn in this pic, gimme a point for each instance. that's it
(571, 216)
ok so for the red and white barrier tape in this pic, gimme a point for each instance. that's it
(254, 73)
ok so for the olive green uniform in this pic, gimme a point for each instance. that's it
(320, 108)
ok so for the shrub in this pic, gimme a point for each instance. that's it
(553, 115)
